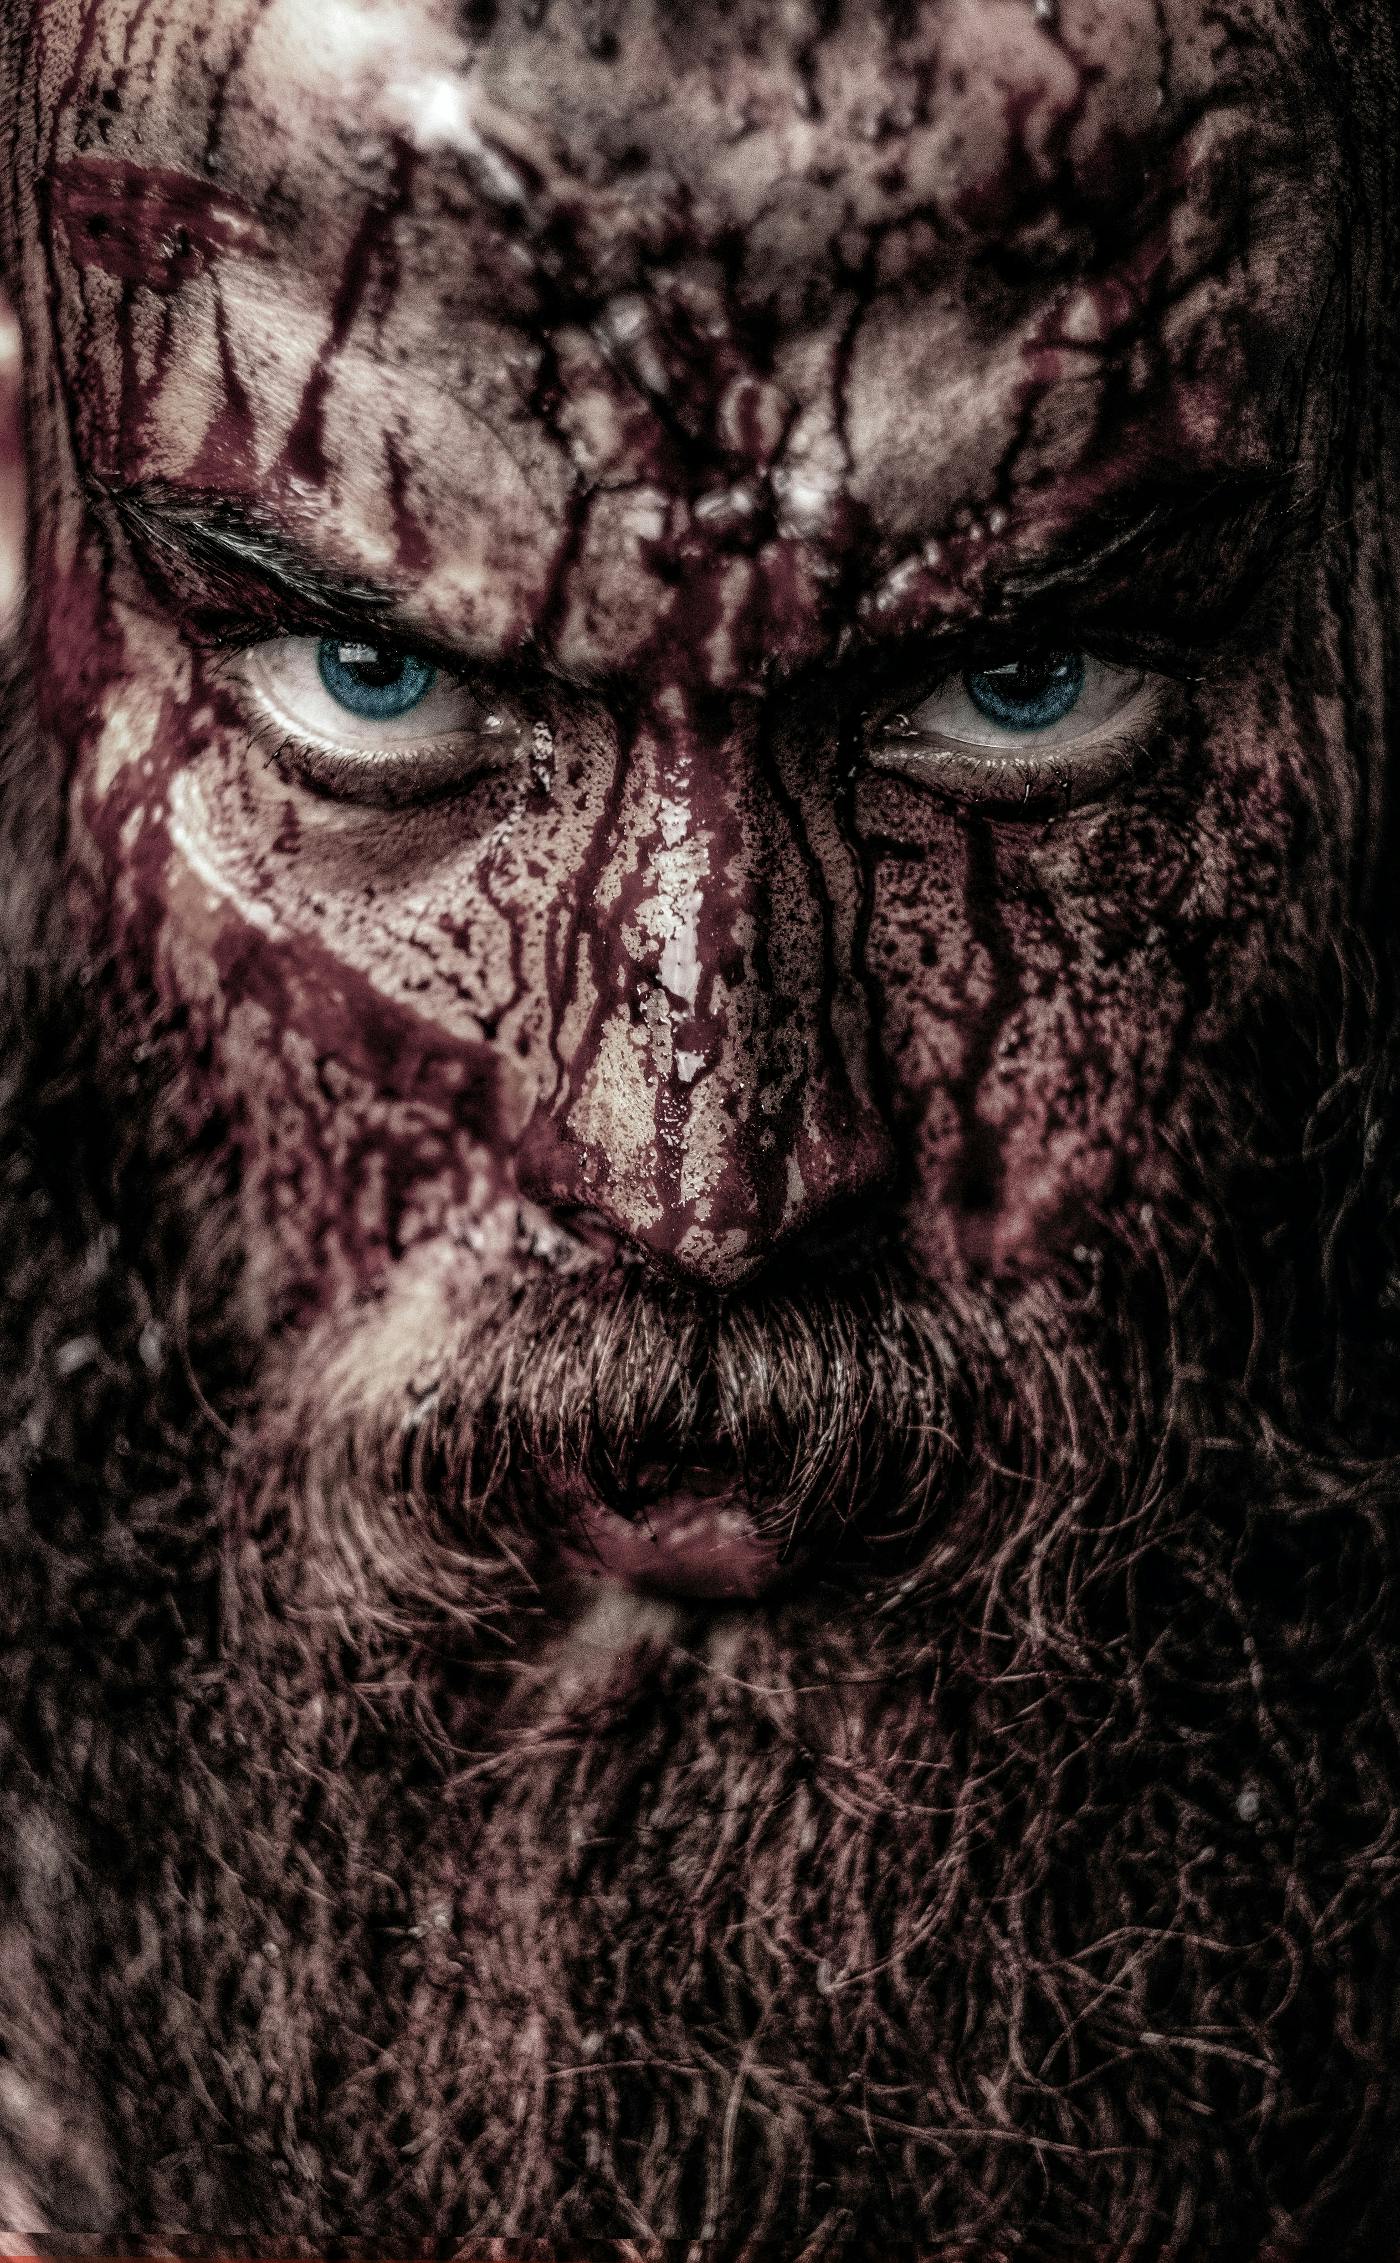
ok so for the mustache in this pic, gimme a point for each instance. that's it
(866, 1416)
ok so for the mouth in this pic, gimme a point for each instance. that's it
(694, 1541)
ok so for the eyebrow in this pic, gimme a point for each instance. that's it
(1169, 573)
(1230, 517)
(1212, 541)
(1181, 560)
(210, 551)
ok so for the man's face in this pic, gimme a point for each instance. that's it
(710, 668)
(649, 627)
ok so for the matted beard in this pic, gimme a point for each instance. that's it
(877, 1427)
(1035, 1897)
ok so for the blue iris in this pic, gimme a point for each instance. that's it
(375, 681)
(1028, 695)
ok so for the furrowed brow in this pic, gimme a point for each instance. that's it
(1182, 561)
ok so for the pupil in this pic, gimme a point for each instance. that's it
(377, 670)
(1028, 695)
(374, 680)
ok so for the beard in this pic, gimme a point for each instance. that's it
(1019, 1879)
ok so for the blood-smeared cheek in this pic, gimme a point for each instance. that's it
(1025, 1060)
(1047, 992)
(305, 1030)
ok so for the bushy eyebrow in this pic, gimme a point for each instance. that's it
(1229, 521)
(214, 553)
(1172, 570)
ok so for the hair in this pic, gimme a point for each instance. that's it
(1042, 1897)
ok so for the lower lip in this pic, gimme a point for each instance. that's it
(685, 1545)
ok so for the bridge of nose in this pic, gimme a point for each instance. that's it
(710, 1029)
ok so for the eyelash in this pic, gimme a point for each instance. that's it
(915, 674)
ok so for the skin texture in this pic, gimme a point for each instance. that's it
(700, 464)
(718, 1082)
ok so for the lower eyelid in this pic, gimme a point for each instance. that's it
(401, 777)
(1057, 779)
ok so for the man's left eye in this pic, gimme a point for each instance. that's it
(1039, 725)
(1028, 695)
(373, 722)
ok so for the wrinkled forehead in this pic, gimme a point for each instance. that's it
(797, 282)
(790, 141)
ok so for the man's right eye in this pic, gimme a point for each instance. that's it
(378, 682)
(373, 722)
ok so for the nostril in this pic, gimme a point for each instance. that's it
(713, 1209)
(595, 1230)
(841, 1235)
(852, 1230)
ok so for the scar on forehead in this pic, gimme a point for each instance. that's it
(145, 224)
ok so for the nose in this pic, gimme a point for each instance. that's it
(711, 1103)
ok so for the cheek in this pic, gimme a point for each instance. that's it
(1046, 991)
(1028, 1043)
(362, 1128)
(363, 998)
(364, 1125)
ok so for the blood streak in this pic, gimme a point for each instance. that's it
(371, 256)
(146, 225)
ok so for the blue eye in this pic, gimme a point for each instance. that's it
(375, 681)
(1028, 695)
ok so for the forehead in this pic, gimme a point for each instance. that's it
(724, 98)
(444, 266)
